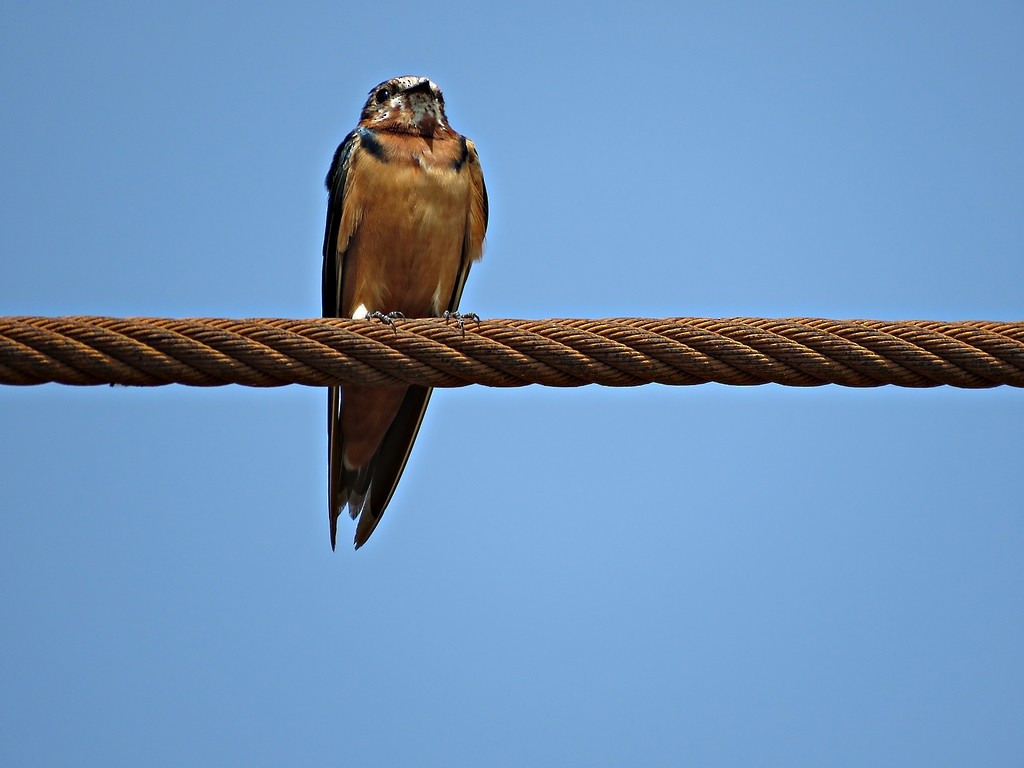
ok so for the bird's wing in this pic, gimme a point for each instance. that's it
(333, 271)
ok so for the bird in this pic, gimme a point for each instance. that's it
(406, 218)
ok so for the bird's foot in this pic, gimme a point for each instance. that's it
(387, 318)
(460, 319)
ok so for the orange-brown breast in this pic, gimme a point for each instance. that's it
(405, 220)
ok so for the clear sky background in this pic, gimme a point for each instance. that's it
(709, 575)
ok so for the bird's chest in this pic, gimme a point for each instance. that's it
(421, 202)
(410, 239)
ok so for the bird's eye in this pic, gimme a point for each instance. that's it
(383, 95)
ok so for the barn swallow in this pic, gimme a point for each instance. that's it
(406, 216)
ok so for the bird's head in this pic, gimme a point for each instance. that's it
(407, 104)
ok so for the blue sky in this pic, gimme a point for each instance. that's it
(653, 576)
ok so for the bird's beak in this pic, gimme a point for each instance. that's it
(423, 86)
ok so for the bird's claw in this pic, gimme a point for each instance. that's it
(387, 318)
(460, 319)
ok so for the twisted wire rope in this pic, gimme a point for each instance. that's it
(271, 352)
